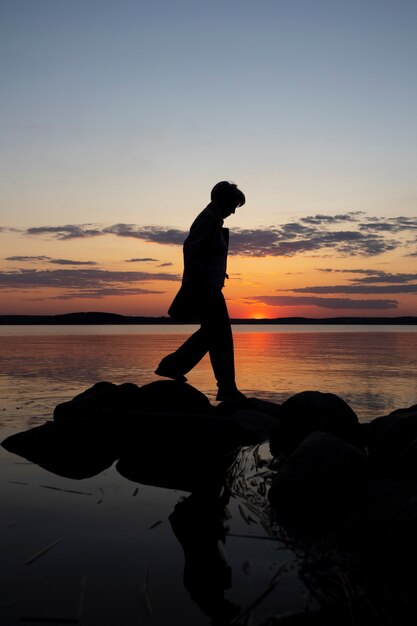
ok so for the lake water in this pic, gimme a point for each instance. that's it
(110, 550)
(373, 368)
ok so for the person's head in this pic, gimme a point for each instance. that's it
(228, 197)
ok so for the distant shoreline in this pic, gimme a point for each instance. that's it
(97, 318)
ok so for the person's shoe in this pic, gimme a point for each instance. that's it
(230, 395)
(163, 370)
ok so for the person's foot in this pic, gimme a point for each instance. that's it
(230, 395)
(163, 370)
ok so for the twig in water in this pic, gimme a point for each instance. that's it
(273, 583)
(249, 520)
(143, 590)
(241, 536)
(81, 493)
(48, 620)
(42, 552)
(155, 524)
(15, 482)
(82, 598)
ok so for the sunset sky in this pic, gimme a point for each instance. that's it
(119, 116)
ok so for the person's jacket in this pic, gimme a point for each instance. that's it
(205, 249)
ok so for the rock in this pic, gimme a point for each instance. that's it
(168, 396)
(378, 519)
(257, 423)
(251, 404)
(308, 411)
(71, 449)
(388, 437)
(107, 399)
(313, 481)
(101, 398)
(405, 464)
(185, 452)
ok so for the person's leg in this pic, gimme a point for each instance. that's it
(215, 322)
(214, 336)
(185, 358)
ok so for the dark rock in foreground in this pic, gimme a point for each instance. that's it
(315, 479)
(311, 411)
(162, 396)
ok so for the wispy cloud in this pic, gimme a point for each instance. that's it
(326, 303)
(365, 282)
(69, 231)
(85, 283)
(27, 258)
(48, 259)
(286, 242)
(358, 289)
(145, 259)
(319, 220)
(315, 234)
(371, 276)
(101, 292)
(155, 234)
(390, 224)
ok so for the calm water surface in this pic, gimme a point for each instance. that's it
(371, 368)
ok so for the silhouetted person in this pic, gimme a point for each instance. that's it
(200, 297)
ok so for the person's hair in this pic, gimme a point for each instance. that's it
(227, 194)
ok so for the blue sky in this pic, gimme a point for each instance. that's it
(129, 111)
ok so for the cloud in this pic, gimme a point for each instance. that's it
(366, 281)
(372, 276)
(49, 260)
(69, 262)
(168, 264)
(66, 232)
(290, 241)
(390, 224)
(27, 258)
(358, 289)
(316, 234)
(101, 293)
(318, 220)
(326, 303)
(145, 259)
(155, 234)
(88, 283)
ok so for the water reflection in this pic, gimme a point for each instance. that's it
(373, 371)
(198, 521)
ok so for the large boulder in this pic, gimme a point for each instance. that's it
(388, 437)
(309, 411)
(379, 518)
(106, 399)
(314, 480)
(405, 464)
(258, 425)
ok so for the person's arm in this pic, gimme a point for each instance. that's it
(198, 247)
